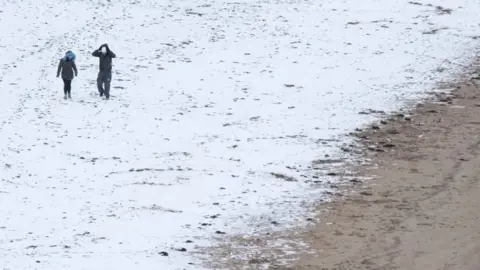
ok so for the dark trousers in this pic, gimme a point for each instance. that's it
(103, 79)
(67, 86)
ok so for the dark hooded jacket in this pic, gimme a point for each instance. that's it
(105, 60)
(68, 68)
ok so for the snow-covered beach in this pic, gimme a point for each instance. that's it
(217, 111)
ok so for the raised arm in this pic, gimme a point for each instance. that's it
(96, 53)
(59, 68)
(109, 52)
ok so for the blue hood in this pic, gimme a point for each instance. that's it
(70, 55)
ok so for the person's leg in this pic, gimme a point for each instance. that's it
(108, 78)
(69, 88)
(100, 83)
(65, 85)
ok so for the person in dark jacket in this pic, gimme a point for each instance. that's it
(104, 77)
(68, 68)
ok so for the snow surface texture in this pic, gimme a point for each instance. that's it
(209, 98)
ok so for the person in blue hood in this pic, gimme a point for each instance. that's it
(68, 68)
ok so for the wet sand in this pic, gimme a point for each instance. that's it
(422, 208)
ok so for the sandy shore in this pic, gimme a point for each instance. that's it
(422, 209)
